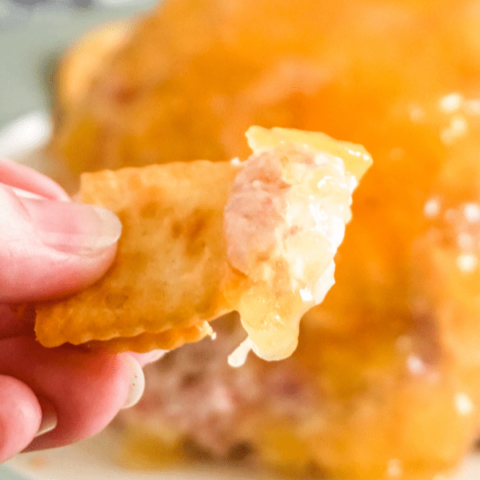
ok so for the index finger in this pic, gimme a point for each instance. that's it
(19, 176)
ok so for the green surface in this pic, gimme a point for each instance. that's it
(28, 54)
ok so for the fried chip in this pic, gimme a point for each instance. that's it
(146, 342)
(203, 239)
(171, 257)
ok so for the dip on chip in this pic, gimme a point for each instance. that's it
(204, 239)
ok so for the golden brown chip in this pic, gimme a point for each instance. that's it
(171, 257)
(203, 239)
(146, 342)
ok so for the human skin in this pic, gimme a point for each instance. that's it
(51, 247)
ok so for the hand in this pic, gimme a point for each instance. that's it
(51, 247)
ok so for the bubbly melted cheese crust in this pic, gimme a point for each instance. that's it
(284, 222)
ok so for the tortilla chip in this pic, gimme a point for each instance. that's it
(146, 342)
(170, 262)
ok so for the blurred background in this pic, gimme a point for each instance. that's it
(401, 77)
(32, 35)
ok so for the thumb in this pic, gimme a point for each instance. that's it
(50, 248)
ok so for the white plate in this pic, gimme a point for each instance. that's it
(91, 460)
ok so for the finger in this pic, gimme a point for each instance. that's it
(52, 248)
(85, 389)
(20, 416)
(150, 357)
(19, 176)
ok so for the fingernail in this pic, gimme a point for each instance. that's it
(73, 227)
(49, 417)
(156, 355)
(144, 358)
(25, 194)
(137, 381)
